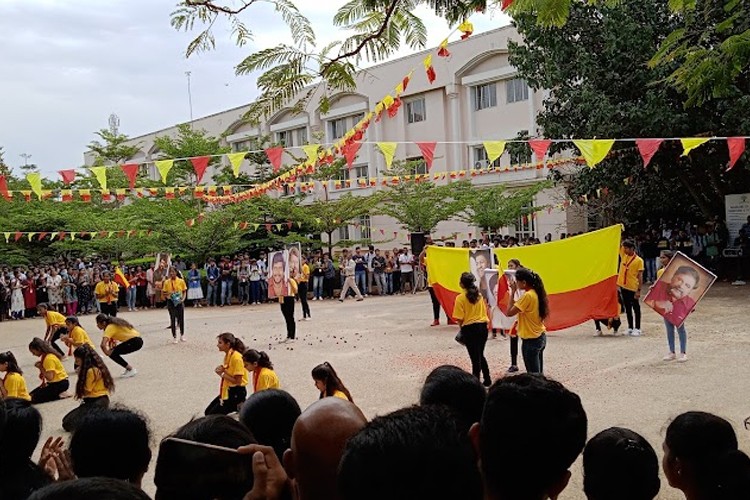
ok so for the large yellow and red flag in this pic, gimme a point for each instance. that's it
(120, 278)
(579, 274)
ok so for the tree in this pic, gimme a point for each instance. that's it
(4, 169)
(601, 86)
(112, 147)
(497, 207)
(189, 143)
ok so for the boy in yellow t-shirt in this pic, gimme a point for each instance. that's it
(630, 279)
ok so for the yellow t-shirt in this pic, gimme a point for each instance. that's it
(171, 286)
(107, 292)
(305, 273)
(530, 325)
(120, 333)
(340, 395)
(468, 313)
(15, 386)
(659, 273)
(630, 266)
(234, 365)
(266, 379)
(79, 337)
(51, 363)
(54, 318)
(94, 385)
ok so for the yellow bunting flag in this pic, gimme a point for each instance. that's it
(35, 181)
(690, 144)
(101, 175)
(388, 101)
(311, 150)
(31, 235)
(236, 160)
(164, 166)
(594, 150)
(389, 150)
(494, 149)
(7, 237)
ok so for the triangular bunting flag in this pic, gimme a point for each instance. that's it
(428, 152)
(66, 195)
(41, 236)
(30, 235)
(7, 236)
(4, 188)
(131, 172)
(350, 152)
(85, 195)
(311, 150)
(389, 150)
(506, 4)
(236, 160)
(736, 148)
(443, 49)
(648, 148)
(164, 166)
(101, 175)
(466, 29)
(427, 62)
(540, 147)
(68, 176)
(494, 149)
(594, 150)
(274, 157)
(35, 181)
(18, 235)
(691, 143)
(199, 165)
(169, 193)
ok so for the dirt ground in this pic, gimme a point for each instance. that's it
(383, 348)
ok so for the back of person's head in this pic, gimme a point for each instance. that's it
(701, 456)
(113, 443)
(90, 488)
(318, 441)
(417, 452)
(270, 416)
(458, 390)
(619, 464)
(538, 422)
(218, 430)
(23, 427)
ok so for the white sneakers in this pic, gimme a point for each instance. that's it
(671, 357)
(682, 358)
(598, 333)
(175, 341)
(182, 338)
(635, 332)
(129, 373)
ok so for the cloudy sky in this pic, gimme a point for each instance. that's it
(66, 65)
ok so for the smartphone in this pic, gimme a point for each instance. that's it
(199, 471)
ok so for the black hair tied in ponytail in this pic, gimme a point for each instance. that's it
(468, 283)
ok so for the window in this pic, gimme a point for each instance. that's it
(416, 111)
(301, 136)
(245, 145)
(343, 174)
(516, 90)
(337, 128)
(365, 227)
(418, 164)
(344, 232)
(484, 96)
(284, 138)
(356, 118)
(481, 160)
(526, 226)
(361, 172)
(521, 156)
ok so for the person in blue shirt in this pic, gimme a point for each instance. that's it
(212, 276)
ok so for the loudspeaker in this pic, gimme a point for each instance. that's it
(417, 243)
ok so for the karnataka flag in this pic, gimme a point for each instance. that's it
(120, 278)
(579, 274)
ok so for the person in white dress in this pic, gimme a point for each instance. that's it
(54, 290)
(17, 305)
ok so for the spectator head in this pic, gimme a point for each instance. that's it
(318, 441)
(270, 415)
(556, 433)
(106, 276)
(417, 452)
(114, 443)
(90, 488)
(456, 389)
(702, 459)
(218, 430)
(665, 256)
(23, 427)
(619, 464)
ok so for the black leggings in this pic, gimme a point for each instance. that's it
(514, 350)
(72, 420)
(435, 305)
(49, 392)
(126, 347)
(631, 305)
(60, 330)
(236, 396)
(475, 338)
(287, 309)
(176, 315)
(302, 292)
(109, 309)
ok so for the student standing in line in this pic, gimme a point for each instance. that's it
(51, 372)
(328, 382)
(175, 291)
(233, 386)
(107, 293)
(302, 283)
(532, 309)
(259, 364)
(76, 336)
(119, 338)
(470, 312)
(93, 387)
(55, 325)
(195, 291)
(13, 384)
(630, 279)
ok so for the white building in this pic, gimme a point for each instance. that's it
(476, 97)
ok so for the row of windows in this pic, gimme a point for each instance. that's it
(482, 161)
(485, 96)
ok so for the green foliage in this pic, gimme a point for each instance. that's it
(4, 169)
(111, 147)
(188, 143)
(262, 171)
(495, 207)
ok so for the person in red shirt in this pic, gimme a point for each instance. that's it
(672, 300)
(141, 285)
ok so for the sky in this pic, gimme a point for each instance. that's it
(66, 65)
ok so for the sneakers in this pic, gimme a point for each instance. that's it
(175, 341)
(598, 333)
(512, 369)
(435, 323)
(182, 338)
(129, 373)
(636, 332)
(629, 332)
(669, 357)
(683, 357)
(360, 299)
(487, 382)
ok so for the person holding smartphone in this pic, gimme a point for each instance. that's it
(532, 308)
(233, 375)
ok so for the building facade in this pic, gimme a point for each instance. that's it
(476, 97)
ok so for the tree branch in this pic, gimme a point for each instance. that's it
(209, 5)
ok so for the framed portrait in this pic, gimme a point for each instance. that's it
(681, 286)
(294, 260)
(479, 261)
(278, 274)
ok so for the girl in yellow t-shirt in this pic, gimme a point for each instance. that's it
(120, 337)
(13, 385)
(532, 309)
(93, 387)
(76, 336)
(233, 385)
(328, 382)
(259, 364)
(51, 372)
(470, 312)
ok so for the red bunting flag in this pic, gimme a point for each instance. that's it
(131, 172)
(68, 176)
(540, 147)
(350, 152)
(62, 235)
(466, 29)
(506, 4)
(443, 49)
(18, 235)
(4, 188)
(648, 148)
(274, 157)
(428, 152)
(268, 227)
(736, 148)
(190, 222)
(428, 68)
(200, 164)
(42, 235)
(404, 84)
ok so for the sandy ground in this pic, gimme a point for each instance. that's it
(383, 348)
